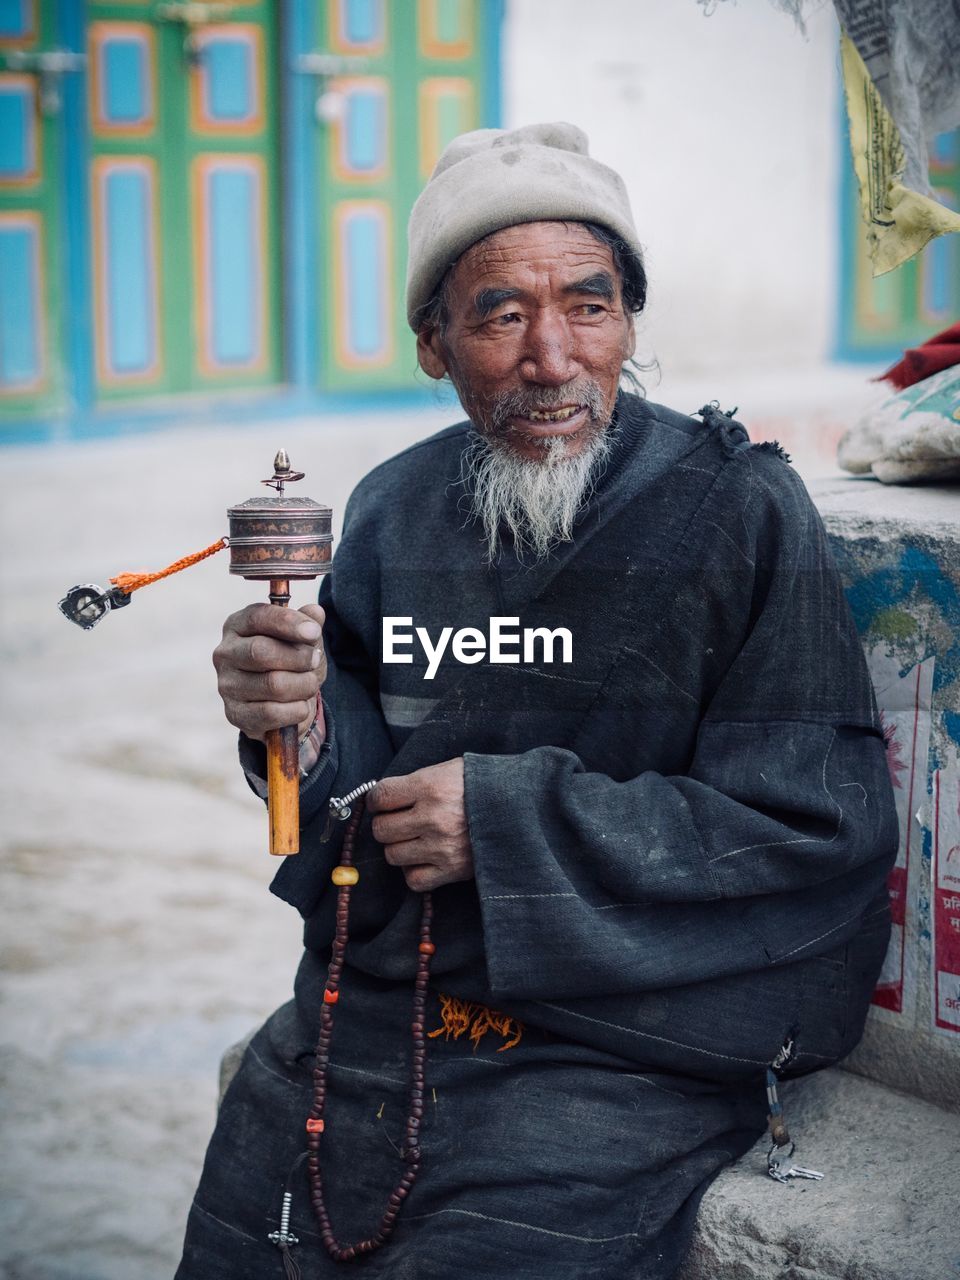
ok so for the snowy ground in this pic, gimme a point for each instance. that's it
(139, 939)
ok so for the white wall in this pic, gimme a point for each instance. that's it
(725, 131)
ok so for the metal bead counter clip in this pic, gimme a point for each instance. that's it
(350, 809)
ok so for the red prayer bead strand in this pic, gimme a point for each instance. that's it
(315, 1124)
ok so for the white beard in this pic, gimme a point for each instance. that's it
(536, 499)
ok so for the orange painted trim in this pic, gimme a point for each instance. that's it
(28, 37)
(337, 36)
(31, 178)
(200, 169)
(33, 220)
(429, 95)
(200, 121)
(343, 212)
(338, 134)
(428, 37)
(100, 170)
(99, 34)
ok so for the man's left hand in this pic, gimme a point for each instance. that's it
(420, 820)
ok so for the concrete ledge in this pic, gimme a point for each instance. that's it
(887, 1208)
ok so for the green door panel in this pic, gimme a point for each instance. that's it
(31, 293)
(379, 131)
(184, 184)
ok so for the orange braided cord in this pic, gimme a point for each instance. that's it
(130, 582)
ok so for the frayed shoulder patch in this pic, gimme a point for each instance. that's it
(733, 434)
(773, 446)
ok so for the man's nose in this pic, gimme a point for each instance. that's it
(549, 356)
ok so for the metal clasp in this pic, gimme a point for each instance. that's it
(87, 603)
(330, 104)
(48, 65)
(284, 1238)
(339, 808)
(193, 15)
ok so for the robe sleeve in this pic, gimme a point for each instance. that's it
(770, 847)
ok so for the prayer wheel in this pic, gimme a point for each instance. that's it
(276, 540)
(271, 540)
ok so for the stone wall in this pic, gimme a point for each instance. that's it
(899, 553)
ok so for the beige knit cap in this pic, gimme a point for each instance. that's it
(495, 178)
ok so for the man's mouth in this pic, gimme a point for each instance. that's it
(553, 415)
(566, 421)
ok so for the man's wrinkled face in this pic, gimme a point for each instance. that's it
(536, 338)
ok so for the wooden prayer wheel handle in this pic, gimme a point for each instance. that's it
(283, 767)
(276, 540)
(283, 790)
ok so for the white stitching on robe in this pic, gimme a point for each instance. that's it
(500, 897)
(648, 1035)
(527, 1226)
(803, 945)
(636, 653)
(739, 550)
(776, 844)
(226, 1225)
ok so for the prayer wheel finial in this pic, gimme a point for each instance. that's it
(282, 474)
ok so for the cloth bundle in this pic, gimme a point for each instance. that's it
(913, 435)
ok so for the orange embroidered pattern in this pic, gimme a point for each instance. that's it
(462, 1017)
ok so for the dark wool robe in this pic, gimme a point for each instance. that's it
(681, 841)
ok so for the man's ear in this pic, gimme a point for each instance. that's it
(630, 340)
(430, 352)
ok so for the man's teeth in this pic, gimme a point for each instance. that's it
(558, 415)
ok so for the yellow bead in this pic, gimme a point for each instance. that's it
(344, 875)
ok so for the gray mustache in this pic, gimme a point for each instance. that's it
(521, 403)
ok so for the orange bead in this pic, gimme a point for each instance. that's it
(427, 948)
(330, 997)
(344, 875)
(314, 1126)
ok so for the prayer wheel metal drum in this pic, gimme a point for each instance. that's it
(280, 538)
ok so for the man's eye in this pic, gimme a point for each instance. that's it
(590, 309)
(509, 317)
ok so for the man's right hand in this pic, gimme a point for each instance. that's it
(270, 666)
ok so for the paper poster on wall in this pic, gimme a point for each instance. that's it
(946, 902)
(904, 701)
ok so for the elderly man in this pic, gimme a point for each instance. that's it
(600, 657)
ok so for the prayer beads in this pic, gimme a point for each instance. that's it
(345, 876)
